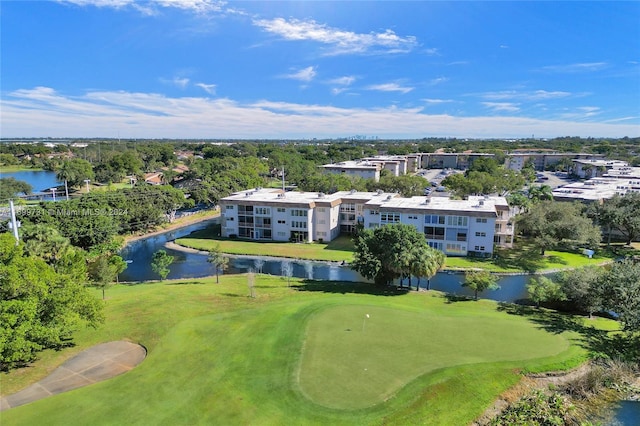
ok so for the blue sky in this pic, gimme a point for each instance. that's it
(316, 69)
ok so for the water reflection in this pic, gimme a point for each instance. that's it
(195, 265)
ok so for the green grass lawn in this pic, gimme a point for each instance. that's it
(338, 250)
(522, 258)
(519, 260)
(19, 168)
(298, 354)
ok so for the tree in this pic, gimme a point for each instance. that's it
(75, 171)
(479, 281)
(551, 223)
(9, 187)
(622, 213)
(102, 272)
(218, 260)
(621, 293)
(160, 263)
(541, 192)
(582, 286)
(389, 252)
(40, 308)
(426, 263)
(287, 271)
(543, 289)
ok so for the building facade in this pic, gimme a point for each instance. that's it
(455, 227)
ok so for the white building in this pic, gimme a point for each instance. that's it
(596, 189)
(590, 168)
(456, 227)
(363, 169)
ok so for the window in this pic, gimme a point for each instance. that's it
(456, 234)
(282, 234)
(282, 222)
(374, 212)
(481, 220)
(298, 224)
(435, 245)
(481, 234)
(434, 219)
(390, 217)
(281, 210)
(373, 225)
(299, 213)
(322, 234)
(321, 209)
(456, 248)
(230, 218)
(347, 207)
(263, 210)
(457, 220)
(412, 217)
(245, 209)
(433, 233)
(229, 207)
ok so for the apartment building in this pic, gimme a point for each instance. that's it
(456, 227)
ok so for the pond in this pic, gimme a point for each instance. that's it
(195, 265)
(627, 413)
(40, 180)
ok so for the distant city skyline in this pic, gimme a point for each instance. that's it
(205, 69)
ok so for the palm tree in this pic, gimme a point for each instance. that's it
(427, 262)
(542, 192)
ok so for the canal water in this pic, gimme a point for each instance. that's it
(195, 265)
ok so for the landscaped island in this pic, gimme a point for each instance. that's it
(317, 352)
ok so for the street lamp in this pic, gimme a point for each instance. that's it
(53, 191)
(87, 182)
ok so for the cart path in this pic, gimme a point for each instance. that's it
(92, 365)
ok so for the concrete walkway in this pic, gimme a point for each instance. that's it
(92, 365)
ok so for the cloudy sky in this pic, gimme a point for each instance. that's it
(278, 70)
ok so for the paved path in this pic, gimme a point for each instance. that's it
(92, 365)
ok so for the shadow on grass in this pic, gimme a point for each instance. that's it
(600, 343)
(342, 243)
(341, 287)
(527, 260)
(453, 298)
(185, 283)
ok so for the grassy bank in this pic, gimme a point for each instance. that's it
(338, 250)
(19, 168)
(178, 223)
(306, 352)
(523, 258)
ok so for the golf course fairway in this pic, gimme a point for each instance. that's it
(300, 354)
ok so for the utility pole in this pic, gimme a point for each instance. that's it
(66, 189)
(14, 223)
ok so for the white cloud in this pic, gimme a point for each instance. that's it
(42, 111)
(390, 87)
(343, 81)
(437, 101)
(438, 80)
(209, 88)
(340, 41)
(181, 82)
(305, 74)
(536, 95)
(151, 7)
(578, 67)
(501, 106)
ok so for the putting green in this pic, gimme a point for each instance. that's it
(350, 361)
